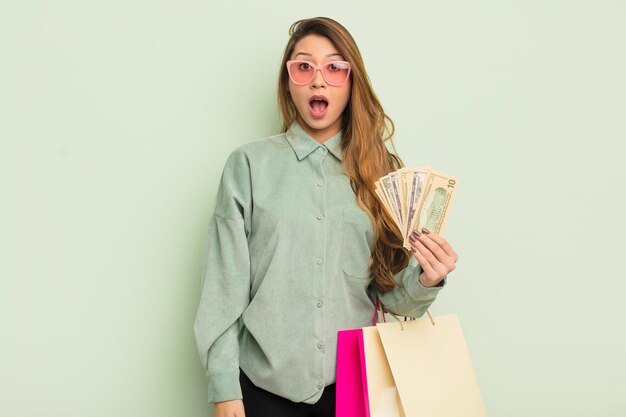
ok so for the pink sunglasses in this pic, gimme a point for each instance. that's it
(335, 73)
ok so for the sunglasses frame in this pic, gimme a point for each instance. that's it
(315, 68)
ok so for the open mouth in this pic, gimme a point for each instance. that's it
(318, 105)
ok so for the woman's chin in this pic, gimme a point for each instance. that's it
(319, 124)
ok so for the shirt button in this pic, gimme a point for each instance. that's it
(319, 261)
(319, 304)
(320, 217)
(320, 345)
(320, 386)
(320, 183)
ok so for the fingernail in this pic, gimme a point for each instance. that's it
(425, 230)
(412, 238)
(413, 249)
(416, 234)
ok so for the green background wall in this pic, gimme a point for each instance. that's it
(116, 118)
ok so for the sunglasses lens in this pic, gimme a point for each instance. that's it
(336, 73)
(301, 72)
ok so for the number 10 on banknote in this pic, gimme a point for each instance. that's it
(417, 197)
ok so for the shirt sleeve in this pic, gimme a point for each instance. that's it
(411, 298)
(225, 290)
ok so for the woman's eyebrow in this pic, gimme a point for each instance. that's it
(309, 54)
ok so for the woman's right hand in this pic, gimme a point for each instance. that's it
(232, 408)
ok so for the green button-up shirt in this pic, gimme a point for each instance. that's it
(287, 266)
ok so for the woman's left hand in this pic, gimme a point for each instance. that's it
(435, 256)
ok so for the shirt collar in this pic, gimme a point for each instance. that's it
(303, 144)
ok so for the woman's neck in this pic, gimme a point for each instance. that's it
(320, 135)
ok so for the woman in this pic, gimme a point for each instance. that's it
(299, 246)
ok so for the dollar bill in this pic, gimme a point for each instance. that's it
(392, 198)
(434, 203)
(382, 197)
(417, 197)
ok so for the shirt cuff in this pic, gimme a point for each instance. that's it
(224, 386)
(419, 292)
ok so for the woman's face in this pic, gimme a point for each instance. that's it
(321, 121)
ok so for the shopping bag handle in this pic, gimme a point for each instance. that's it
(376, 307)
(379, 305)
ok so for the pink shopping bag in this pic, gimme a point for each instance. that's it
(351, 385)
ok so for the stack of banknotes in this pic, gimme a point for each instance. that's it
(417, 197)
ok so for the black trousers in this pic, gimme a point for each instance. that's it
(260, 403)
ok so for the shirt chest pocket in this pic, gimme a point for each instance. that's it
(357, 236)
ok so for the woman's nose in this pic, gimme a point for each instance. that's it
(318, 79)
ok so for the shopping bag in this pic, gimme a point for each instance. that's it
(351, 391)
(381, 391)
(430, 365)
(407, 369)
(351, 384)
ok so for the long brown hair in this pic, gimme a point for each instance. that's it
(366, 128)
